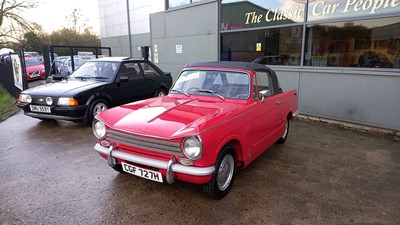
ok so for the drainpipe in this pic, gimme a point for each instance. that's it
(129, 28)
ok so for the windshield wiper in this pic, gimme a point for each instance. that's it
(99, 77)
(82, 77)
(211, 92)
(180, 91)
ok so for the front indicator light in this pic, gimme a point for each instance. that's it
(105, 143)
(186, 162)
(65, 101)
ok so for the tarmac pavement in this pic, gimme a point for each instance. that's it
(50, 174)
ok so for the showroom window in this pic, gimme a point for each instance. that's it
(371, 43)
(275, 46)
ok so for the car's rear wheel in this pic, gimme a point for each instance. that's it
(285, 134)
(224, 174)
(160, 92)
(96, 107)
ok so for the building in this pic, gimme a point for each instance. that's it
(342, 55)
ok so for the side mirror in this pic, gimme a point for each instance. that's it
(168, 74)
(264, 93)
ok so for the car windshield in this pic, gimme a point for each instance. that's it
(222, 84)
(98, 70)
(31, 62)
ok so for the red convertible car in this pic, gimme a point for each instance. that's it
(217, 117)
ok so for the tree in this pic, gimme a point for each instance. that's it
(12, 23)
(77, 22)
(70, 37)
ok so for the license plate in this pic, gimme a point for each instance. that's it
(141, 172)
(39, 108)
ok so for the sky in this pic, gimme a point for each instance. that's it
(51, 13)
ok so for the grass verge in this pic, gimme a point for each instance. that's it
(8, 104)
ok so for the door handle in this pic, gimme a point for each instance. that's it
(278, 102)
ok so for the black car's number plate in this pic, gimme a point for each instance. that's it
(141, 172)
(39, 108)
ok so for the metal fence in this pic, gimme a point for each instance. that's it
(7, 67)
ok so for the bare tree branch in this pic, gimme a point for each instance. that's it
(12, 21)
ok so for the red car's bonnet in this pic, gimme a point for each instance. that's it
(30, 69)
(167, 116)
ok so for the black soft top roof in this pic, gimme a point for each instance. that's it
(229, 64)
(241, 65)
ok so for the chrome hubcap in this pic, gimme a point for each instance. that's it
(99, 107)
(286, 129)
(225, 172)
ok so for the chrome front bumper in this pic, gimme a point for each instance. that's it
(171, 166)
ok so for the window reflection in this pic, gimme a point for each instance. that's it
(277, 46)
(367, 43)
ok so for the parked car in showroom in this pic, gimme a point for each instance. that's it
(218, 116)
(34, 69)
(95, 86)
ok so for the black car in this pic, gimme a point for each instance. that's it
(95, 86)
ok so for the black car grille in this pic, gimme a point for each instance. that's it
(144, 143)
(41, 100)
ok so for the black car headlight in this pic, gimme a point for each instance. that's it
(24, 98)
(99, 129)
(192, 147)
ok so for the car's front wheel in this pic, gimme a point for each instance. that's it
(159, 93)
(96, 107)
(224, 174)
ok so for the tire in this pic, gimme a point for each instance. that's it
(159, 93)
(285, 134)
(224, 174)
(95, 108)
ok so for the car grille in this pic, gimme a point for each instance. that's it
(144, 143)
(35, 73)
(41, 100)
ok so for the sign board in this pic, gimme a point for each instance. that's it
(156, 57)
(85, 56)
(17, 70)
(258, 47)
(178, 49)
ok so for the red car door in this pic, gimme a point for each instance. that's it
(266, 114)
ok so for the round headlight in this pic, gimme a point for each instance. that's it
(99, 129)
(49, 101)
(192, 147)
